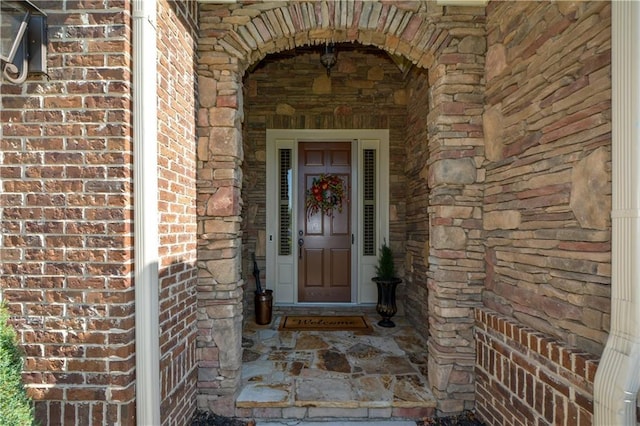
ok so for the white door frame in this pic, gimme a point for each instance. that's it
(282, 271)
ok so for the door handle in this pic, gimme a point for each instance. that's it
(300, 244)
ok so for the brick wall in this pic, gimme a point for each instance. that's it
(524, 372)
(547, 211)
(67, 250)
(67, 247)
(365, 91)
(177, 194)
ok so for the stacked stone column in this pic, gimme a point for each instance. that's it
(455, 263)
(219, 157)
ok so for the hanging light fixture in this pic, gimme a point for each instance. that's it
(23, 40)
(329, 57)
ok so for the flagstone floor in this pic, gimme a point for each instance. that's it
(380, 374)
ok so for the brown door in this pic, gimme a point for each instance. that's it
(324, 237)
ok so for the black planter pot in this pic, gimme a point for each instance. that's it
(386, 306)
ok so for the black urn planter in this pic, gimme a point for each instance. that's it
(386, 306)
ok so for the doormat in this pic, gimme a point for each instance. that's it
(324, 323)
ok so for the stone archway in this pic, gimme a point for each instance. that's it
(450, 43)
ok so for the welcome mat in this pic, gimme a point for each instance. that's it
(324, 323)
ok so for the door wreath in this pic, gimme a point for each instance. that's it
(325, 194)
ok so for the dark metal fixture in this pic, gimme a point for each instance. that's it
(329, 57)
(23, 40)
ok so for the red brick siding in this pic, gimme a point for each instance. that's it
(552, 89)
(67, 250)
(524, 377)
(176, 174)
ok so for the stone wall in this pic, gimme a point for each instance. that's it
(219, 182)
(417, 196)
(547, 204)
(527, 201)
(548, 192)
(177, 208)
(456, 185)
(292, 91)
(67, 251)
(449, 41)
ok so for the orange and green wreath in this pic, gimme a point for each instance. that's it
(325, 194)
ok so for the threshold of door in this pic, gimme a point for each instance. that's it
(324, 308)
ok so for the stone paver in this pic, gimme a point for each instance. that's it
(376, 376)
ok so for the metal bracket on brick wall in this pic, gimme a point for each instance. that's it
(25, 52)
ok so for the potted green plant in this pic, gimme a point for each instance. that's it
(387, 281)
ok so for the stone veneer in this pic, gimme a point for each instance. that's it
(417, 200)
(292, 91)
(548, 181)
(449, 41)
(547, 205)
(517, 197)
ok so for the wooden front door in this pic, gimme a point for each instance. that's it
(324, 238)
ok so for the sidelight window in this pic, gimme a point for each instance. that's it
(285, 202)
(369, 203)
